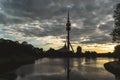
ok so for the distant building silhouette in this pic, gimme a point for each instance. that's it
(63, 49)
(79, 50)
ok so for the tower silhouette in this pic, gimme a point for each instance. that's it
(68, 28)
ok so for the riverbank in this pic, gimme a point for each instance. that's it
(113, 67)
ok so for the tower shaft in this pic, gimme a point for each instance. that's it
(68, 28)
(68, 61)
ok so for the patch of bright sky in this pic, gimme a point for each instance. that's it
(77, 23)
(5, 35)
(38, 42)
(1, 31)
(85, 38)
(2, 11)
(100, 48)
(1, 34)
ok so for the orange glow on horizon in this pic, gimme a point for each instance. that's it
(99, 48)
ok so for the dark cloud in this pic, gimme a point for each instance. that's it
(89, 16)
(107, 27)
(100, 39)
(31, 8)
(54, 8)
(56, 31)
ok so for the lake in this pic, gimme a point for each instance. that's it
(55, 69)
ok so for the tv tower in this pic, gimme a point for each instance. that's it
(68, 28)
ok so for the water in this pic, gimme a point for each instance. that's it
(55, 69)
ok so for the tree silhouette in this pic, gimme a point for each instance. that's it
(117, 51)
(14, 54)
(116, 31)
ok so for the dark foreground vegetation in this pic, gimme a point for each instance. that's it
(14, 54)
(114, 67)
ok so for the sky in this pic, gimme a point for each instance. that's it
(42, 23)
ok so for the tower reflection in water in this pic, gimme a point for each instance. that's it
(54, 69)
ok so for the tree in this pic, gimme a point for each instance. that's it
(117, 51)
(116, 31)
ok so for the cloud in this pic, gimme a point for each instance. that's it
(92, 21)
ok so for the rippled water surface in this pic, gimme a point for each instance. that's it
(55, 69)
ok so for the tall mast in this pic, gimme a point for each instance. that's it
(68, 28)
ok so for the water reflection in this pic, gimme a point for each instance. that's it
(54, 69)
(75, 63)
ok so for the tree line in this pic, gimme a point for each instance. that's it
(15, 49)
